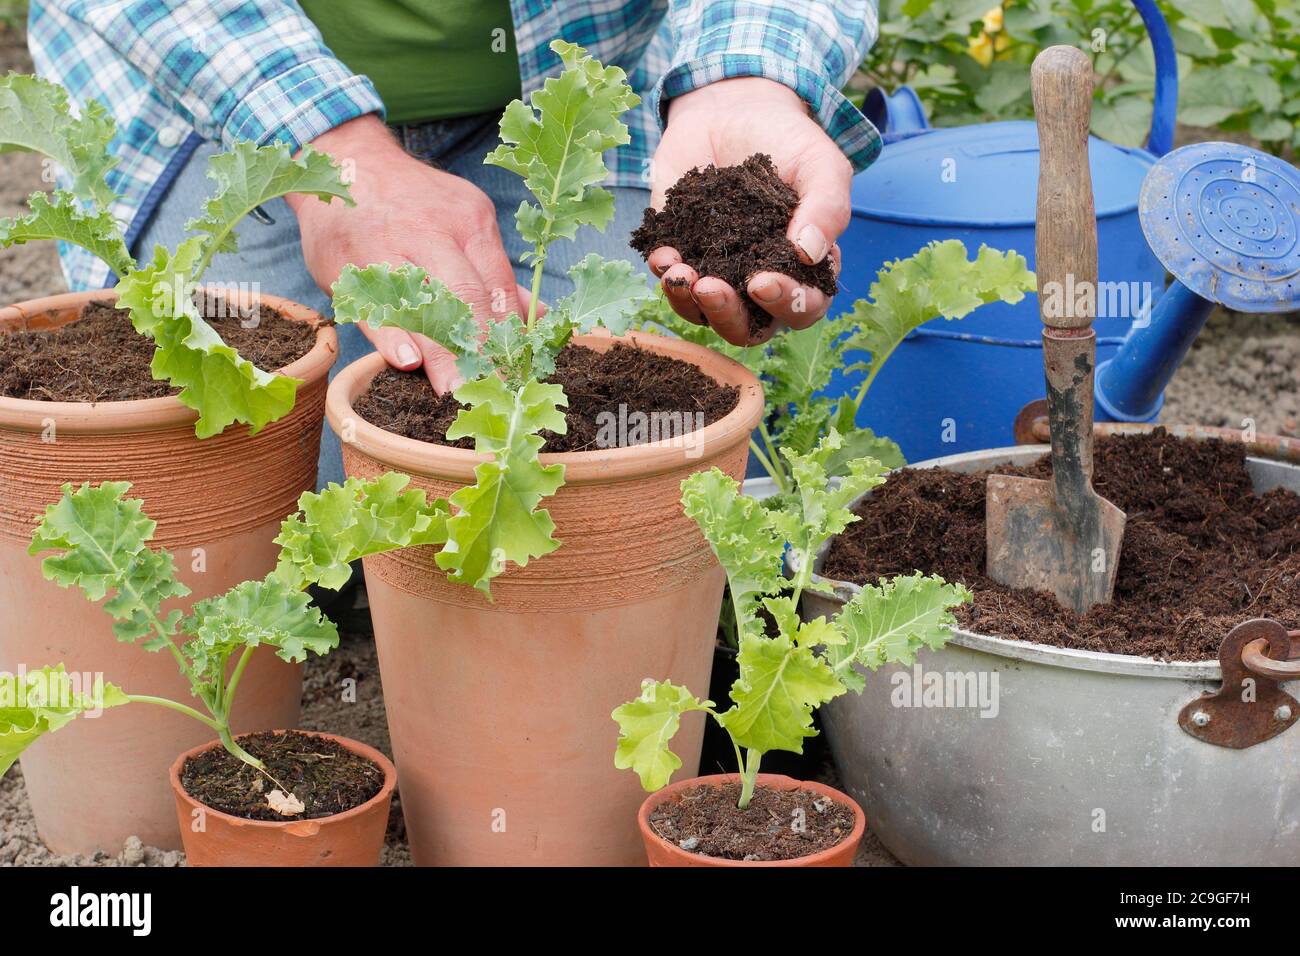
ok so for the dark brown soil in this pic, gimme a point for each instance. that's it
(730, 222)
(596, 383)
(101, 358)
(326, 776)
(1202, 552)
(777, 824)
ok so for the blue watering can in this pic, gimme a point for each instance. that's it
(959, 387)
(1224, 219)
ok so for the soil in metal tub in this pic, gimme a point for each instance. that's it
(1202, 551)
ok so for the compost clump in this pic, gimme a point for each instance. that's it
(730, 222)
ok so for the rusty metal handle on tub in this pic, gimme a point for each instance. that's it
(1249, 707)
(1255, 657)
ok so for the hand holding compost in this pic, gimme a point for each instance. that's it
(725, 124)
(730, 223)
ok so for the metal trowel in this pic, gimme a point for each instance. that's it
(1059, 535)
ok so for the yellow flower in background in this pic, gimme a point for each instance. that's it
(991, 40)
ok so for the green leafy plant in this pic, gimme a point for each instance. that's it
(96, 539)
(555, 143)
(13, 14)
(1239, 71)
(969, 61)
(214, 380)
(938, 281)
(791, 667)
(36, 702)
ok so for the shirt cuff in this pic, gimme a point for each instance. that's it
(301, 103)
(714, 56)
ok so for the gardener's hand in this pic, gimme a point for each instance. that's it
(407, 211)
(723, 124)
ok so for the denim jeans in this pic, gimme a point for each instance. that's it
(271, 255)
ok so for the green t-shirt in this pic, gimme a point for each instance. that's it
(429, 59)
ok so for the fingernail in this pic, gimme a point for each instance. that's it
(813, 243)
(457, 381)
(669, 260)
(708, 300)
(407, 355)
(768, 290)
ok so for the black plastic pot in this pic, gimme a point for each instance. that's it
(718, 755)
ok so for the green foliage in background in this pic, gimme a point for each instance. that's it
(968, 60)
(13, 14)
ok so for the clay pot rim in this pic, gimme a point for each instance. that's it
(774, 781)
(147, 414)
(357, 747)
(581, 467)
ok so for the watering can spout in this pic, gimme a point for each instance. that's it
(1224, 220)
(1130, 385)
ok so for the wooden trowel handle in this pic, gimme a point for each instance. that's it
(1066, 235)
(1066, 247)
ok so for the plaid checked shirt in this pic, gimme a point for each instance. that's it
(176, 73)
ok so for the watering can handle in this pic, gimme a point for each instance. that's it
(1165, 112)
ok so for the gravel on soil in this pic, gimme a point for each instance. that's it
(1241, 367)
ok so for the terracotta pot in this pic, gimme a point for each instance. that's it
(352, 838)
(500, 712)
(218, 504)
(662, 853)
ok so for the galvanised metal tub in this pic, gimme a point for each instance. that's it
(1080, 760)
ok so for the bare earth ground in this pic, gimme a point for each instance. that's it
(1241, 367)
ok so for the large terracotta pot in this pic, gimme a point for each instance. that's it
(218, 504)
(500, 712)
(352, 838)
(662, 853)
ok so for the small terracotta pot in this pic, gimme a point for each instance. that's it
(218, 504)
(662, 853)
(500, 712)
(352, 838)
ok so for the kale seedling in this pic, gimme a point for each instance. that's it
(213, 378)
(555, 143)
(97, 539)
(786, 675)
